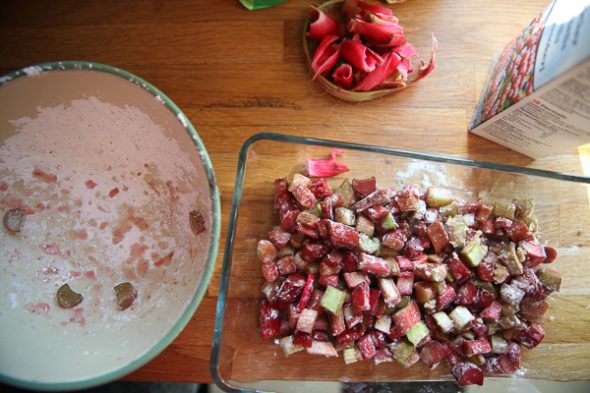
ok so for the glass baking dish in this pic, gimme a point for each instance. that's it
(242, 361)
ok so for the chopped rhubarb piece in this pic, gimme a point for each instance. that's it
(374, 265)
(377, 213)
(304, 196)
(319, 333)
(290, 290)
(443, 321)
(299, 180)
(404, 263)
(406, 318)
(343, 236)
(485, 270)
(474, 251)
(360, 297)
(329, 281)
(535, 253)
(408, 198)
(438, 236)
(510, 362)
(379, 197)
(288, 346)
(306, 292)
(374, 297)
(363, 187)
(518, 231)
(366, 347)
(461, 316)
(532, 310)
(550, 279)
(307, 219)
(383, 356)
(483, 298)
(292, 316)
(394, 240)
(459, 271)
(467, 373)
(551, 254)
(476, 347)
(266, 251)
(306, 320)
(356, 278)
(414, 248)
(511, 294)
(279, 237)
(305, 230)
(271, 291)
(424, 291)
(270, 271)
(405, 354)
(286, 265)
(312, 251)
(417, 333)
(322, 348)
(345, 216)
(492, 312)
(333, 300)
(351, 355)
(383, 323)
(320, 188)
(391, 295)
(364, 225)
(327, 209)
(289, 220)
(329, 270)
(326, 168)
(504, 209)
(352, 316)
(405, 283)
(350, 261)
(438, 197)
(531, 336)
(457, 231)
(337, 324)
(466, 294)
(430, 271)
(483, 213)
(269, 320)
(432, 353)
(446, 298)
(314, 300)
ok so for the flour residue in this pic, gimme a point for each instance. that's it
(107, 192)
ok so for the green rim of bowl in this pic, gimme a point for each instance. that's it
(215, 231)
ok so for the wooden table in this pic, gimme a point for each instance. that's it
(236, 73)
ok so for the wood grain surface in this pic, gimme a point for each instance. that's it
(236, 73)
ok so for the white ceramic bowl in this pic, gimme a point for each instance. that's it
(108, 170)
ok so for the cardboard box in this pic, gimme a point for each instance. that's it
(536, 99)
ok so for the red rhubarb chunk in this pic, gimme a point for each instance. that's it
(379, 197)
(374, 265)
(303, 339)
(406, 318)
(394, 240)
(405, 283)
(363, 187)
(350, 261)
(320, 188)
(290, 290)
(492, 312)
(459, 271)
(531, 336)
(366, 347)
(279, 237)
(535, 253)
(404, 263)
(354, 279)
(270, 271)
(467, 374)
(518, 231)
(312, 251)
(374, 296)
(376, 213)
(329, 281)
(551, 254)
(432, 353)
(269, 320)
(360, 297)
(466, 294)
(476, 347)
(304, 196)
(327, 209)
(445, 298)
(289, 220)
(343, 236)
(438, 236)
(306, 292)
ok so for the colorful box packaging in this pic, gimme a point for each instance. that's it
(537, 96)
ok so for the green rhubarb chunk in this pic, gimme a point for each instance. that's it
(351, 355)
(67, 298)
(367, 244)
(461, 316)
(504, 209)
(525, 208)
(333, 300)
(550, 279)
(388, 222)
(405, 300)
(532, 223)
(449, 210)
(417, 333)
(405, 354)
(439, 197)
(499, 345)
(394, 270)
(493, 328)
(312, 268)
(347, 193)
(317, 210)
(457, 231)
(443, 321)
(286, 344)
(474, 251)
(510, 259)
(439, 287)
(345, 216)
